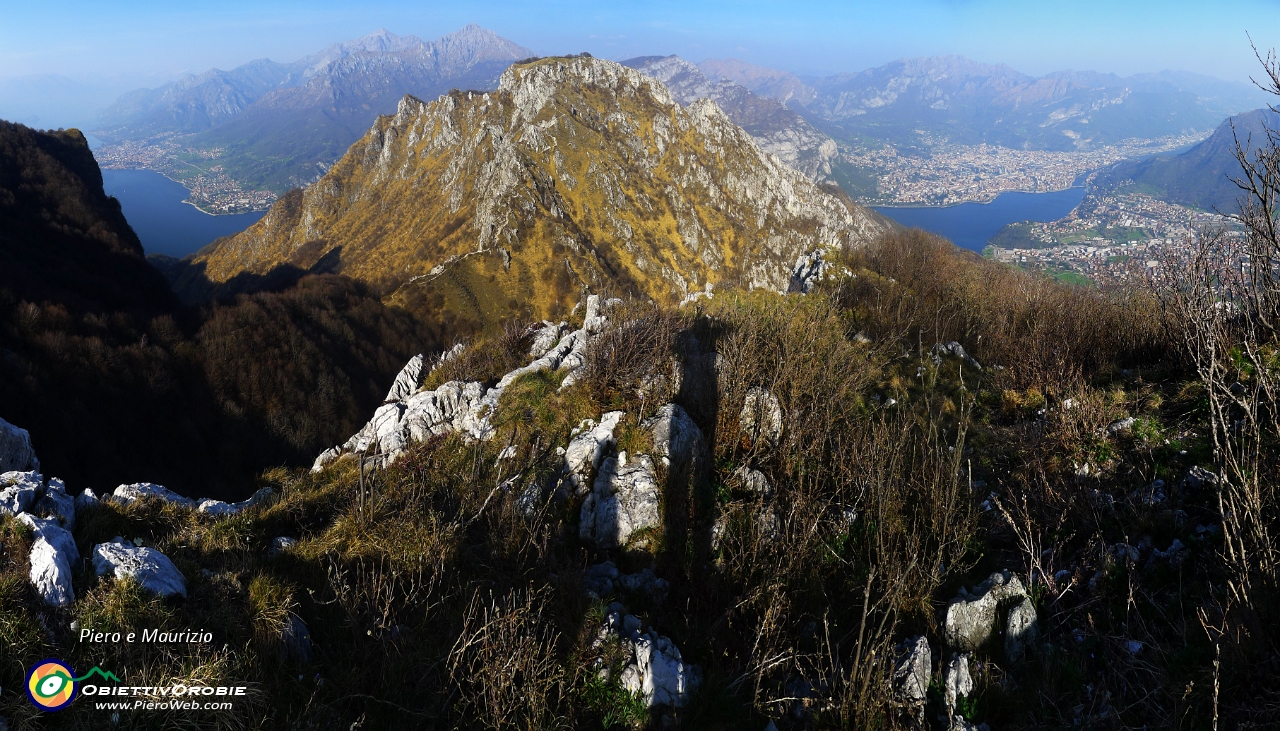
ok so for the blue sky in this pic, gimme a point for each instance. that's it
(107, 47)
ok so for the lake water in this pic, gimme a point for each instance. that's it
(971, 225)
(153, 204)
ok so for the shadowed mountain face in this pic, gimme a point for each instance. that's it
(117, 383)
(282, 125)
(61, 238)
(967, 102)
(576, 173)
(775, 128)
(1203, 176)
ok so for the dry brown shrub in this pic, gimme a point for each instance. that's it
(503, 664)
(635, 352)
(1042, 331)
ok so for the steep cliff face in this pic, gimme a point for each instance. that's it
(577, 173)
(62, 239)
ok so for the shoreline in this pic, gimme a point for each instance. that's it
(905, 206)
(187, 200)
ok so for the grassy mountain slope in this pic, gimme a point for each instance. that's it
(577, 173)
(433, 597)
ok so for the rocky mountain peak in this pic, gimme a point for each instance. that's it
(578, 173)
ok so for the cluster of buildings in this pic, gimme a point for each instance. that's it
(212, 190)
(1107, 237)
(953, 174)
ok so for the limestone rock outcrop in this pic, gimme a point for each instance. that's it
(625, 500)
(16, 452)
(654, 667)
(53, 554)
(912, 673)
(219, 508)
(587, 446)
(761, 416)
(952, 349)
(956, 681)
(808, 270)
(18, 491)
(57, 504)
(127, 494)
(149, 567)
(604, 579)
(457, 406)
(972, 618)
(676, 438)
(408, 380)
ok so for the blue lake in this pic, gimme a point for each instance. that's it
(153, 204)
(971, 225)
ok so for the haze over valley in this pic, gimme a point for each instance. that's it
(692, 366)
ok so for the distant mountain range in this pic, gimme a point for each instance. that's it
(1202, 177)
(967, 102)
(776, 128)
(280, 125)
(275, 126)
(575, 175)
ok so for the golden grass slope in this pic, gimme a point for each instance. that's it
(576, 174)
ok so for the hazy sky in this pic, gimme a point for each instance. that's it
(108, 47)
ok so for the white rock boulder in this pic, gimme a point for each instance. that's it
(53, 554)
(971, 619)
(408, 380)
(219, 509)
(586, 447)
(57, 504)
(18, 491)
(87, 499)
(912, 673)
(1022, 630)
(807, 272)
(149, 567)
(953, 349)
(654, 669)
(128, 494)
(956, 681)
(753, 480)
(16, 452)
(675, 437)
(625, 500)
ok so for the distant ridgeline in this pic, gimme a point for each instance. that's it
(920, 101)
(281, 125)
(1203, 176)
(118, 383)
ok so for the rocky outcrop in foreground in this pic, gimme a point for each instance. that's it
(50, 512)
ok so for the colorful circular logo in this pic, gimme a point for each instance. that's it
(51, 685)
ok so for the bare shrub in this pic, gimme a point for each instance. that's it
(1044, 332)
(504, 664)
(635, 352)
